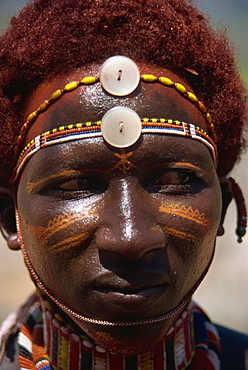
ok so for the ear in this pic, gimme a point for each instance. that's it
(7, 218)
(227, 196)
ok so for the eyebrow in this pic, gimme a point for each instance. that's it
(186, 164)
(32, 185)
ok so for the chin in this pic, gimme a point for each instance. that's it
(128, 340)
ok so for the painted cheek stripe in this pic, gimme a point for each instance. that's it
(67, 219)
(180, 234)
(184, 212)
(69, 243)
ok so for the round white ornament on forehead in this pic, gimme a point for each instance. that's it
(119, 75)
(121, 127)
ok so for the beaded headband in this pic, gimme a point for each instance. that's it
(119, 76)
(86, 130)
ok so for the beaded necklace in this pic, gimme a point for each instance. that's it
(47, 343)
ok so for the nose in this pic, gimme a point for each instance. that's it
(129, 226)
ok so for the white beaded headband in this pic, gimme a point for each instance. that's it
(120, 127)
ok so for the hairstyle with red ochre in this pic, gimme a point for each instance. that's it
(51, 37)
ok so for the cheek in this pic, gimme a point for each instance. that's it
(53, 235)
(191, 227)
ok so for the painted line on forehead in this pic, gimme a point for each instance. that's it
(124, 165)
(32, 185)
(180, 234)
(62, 221)
(69, 243)
(184, 212)
(179, 164)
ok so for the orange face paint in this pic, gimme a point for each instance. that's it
(69, 243)
(65, 220)
(32, 185)
(184, 212)
(124, 165)
(180, 234)
(182, 165)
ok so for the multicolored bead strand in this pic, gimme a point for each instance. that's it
(87, 130)
(72, 86)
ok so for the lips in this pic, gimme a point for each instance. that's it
(130, 296)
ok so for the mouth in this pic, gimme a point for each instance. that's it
(132, 298)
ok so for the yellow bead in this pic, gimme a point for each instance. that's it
(48, 305)
(154, 120)
(71, 86)
(44, 106)
(38, 292)
(99, 123)
(25, 128)
(58, 317)
(177, 122)
(192, 97)
(79, 125)
(61, 128)
(145, 119)
(170, 121)
(202, 107)
(47, 133)
(88, 124)
(54, 130)
(32, 116)
(166, 81)
(162, 120)
(149, 78)
(89, 80)
(57, 94)
(208, 118)
(180, 88)
(70, 127)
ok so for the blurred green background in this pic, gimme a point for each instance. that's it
(224, 292)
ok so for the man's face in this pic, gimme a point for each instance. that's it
(119, 235)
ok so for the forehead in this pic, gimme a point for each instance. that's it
(90, 103)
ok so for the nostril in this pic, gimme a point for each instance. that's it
(135, 244)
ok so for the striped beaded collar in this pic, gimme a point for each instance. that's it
(47, 343)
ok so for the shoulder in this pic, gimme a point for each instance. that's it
(234, 349)
(8, 335)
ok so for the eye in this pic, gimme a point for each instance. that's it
(172, 178)
(77, 188)
(79, 184)
(175, 182)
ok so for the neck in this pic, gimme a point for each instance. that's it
(65, 342)
(47, 342)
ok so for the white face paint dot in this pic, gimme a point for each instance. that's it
(121, 127)
(119, 75)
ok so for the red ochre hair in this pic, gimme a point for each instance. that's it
(51, 37)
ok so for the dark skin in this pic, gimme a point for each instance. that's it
(123, 251)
